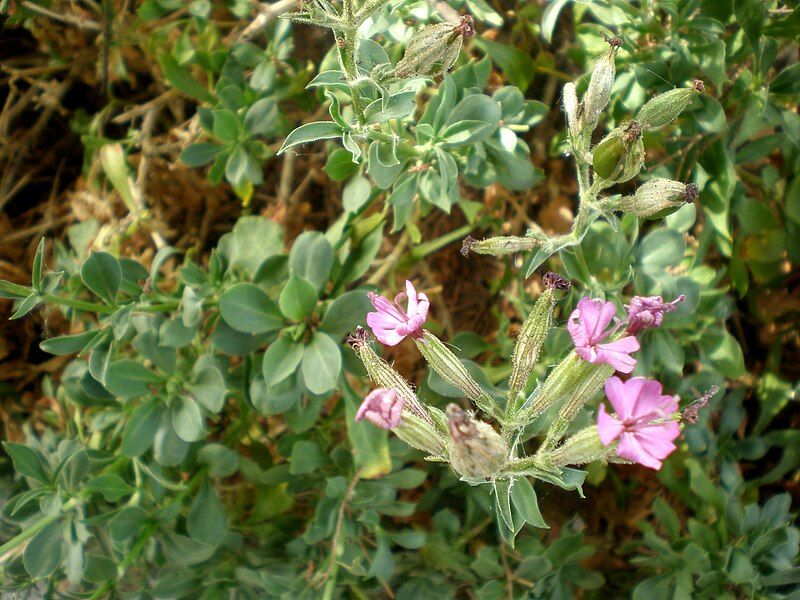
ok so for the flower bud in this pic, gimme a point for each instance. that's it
(452, 370)
(620, 155)
(533, 334)
(382, 407)
(434, 49)
(497, 246)
(658, 198)
(383, 375)
(583, 447)
(645, 312)
(599, 91)
(665, 108)
(571, 109)
(477, 451)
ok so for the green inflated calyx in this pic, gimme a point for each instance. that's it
(531, 338)
(665, 108)
(620, 155)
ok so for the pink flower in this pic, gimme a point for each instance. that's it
(382, 407)
(643, 422)
(390, 323)
(587, 325)
(648, 311)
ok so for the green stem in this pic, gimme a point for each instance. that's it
(424, 250)
(31, 531)
(78, 304)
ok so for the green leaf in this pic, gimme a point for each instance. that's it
(140, 430)
(187, 419)
(261, 117)
(246, 308)
(340, 165)
(524, 499)
(186, 551)
(226, 125)
(750, 15)
(200, 153)
(67, 344)
(128, 523)
(128, 379)
(102, 274)
(36, 272)
(550, 18)
(27, 461)
(518, 66)
(312, 257)
(281, 360)
(306, 458)
(396, 107)
(405, 479)
(43, 553)
(26, 306)
(252, 241)
(207, 521)
(298, 299)
(787, 81)
(208, 387)
(322, 361)
(311, 132)
(112, 487)
(356, 193)
(181, 78)
(724, 352)
(14, 291)
(99, 569)
(473, 119)
(345, 313)
(220, 460)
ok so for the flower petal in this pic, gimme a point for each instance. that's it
(657, 440)
(630, 448)
(623, 395)
(411, 294)
(608, 428)
(384, 328)
(616, 354)
(385, 307)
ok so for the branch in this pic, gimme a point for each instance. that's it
(266, 14)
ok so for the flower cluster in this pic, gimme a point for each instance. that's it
(642, 429)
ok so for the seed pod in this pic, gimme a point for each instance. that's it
(620, 155)
(497, 246)
(658, 198)
(532, 336)
(477, 451)
(665, 108)
(599, 91)
(434, 49)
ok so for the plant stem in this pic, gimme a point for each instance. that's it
(78, 304)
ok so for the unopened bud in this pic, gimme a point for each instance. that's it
(497, 246)
(581, 448)
(666, 107)
(620, 155)
(383, 375)
(658, 198)
(452, 370)
(571, 108)
(599, 91)
(477, 451)
(434, 49)
(532, 336)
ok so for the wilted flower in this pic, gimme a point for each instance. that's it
(477, 451)
(391, 323)
(648, 311)
(588, 327)
(382, 407)
(643, 422)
